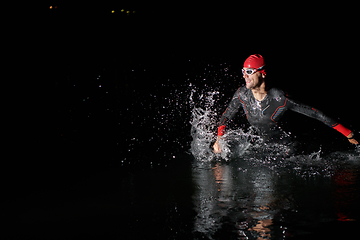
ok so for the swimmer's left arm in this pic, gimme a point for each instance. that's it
(346, 132)
(352, 139)
(316, 114)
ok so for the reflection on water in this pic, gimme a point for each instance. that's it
(344, 194)
(228, 197)
(259, 203)
(192, 199)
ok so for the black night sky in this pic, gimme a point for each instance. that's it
(311, 36)
(308, 48)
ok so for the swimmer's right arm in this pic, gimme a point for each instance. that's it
(229, 113)
(216, 146)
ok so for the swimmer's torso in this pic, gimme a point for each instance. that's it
(264, 115)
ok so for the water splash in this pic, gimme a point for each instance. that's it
(204, 122)
(203, 125)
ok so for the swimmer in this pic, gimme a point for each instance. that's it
(264, 108)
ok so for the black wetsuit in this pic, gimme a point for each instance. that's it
(264, 115)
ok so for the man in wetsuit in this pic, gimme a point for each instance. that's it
(263, 109)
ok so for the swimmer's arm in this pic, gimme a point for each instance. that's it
(216, 146)
(316, 114)
(351, 139)
(229, 114)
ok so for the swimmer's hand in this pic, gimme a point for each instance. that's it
(352, 140)
(216, 146)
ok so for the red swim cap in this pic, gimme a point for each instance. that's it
(255, 61)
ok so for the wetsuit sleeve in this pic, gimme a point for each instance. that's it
(229, 113)
(316, 114)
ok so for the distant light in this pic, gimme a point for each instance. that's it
(133, 11)
(112, 11)
(51, 7)
(127, 12)
(122, 10)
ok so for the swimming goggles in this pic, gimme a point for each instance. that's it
(251, 71)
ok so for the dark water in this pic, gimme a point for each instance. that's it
(118, 143)
(192, 199)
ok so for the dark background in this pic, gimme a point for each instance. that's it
(310, 52)
(144, 62)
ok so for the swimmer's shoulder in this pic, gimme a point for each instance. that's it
(276, 93)
(242, 93)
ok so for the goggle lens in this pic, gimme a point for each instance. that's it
(248, 71)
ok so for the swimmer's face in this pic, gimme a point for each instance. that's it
(254, 80)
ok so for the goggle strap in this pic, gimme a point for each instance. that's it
(260, 68)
